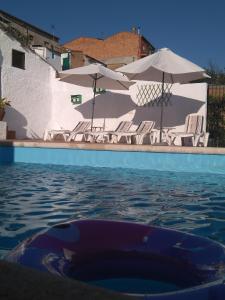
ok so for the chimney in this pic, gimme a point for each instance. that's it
(139, 30)
(134, 30)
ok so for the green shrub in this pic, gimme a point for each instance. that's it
(216, 120)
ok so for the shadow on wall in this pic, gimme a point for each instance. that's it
(34, 135)
(174, 113)
(112, 105)
(19, 121)
(108, 105)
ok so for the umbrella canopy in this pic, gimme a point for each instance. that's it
(174, 67)
(166, 67)
(96, 76)
(105, 78)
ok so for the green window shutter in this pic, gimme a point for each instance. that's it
(66, 63)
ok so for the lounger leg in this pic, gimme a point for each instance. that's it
(169, 140)
(51, 135)
(151, 138)
(65, 136)
(129, 139)
(205, 139)
(99, 138)
(195, 140)
(86, 137)
(114, 139)
(172, 140)
(139, 139)
(106, 138)
(71, 137)
(46, 135)
(89, 138)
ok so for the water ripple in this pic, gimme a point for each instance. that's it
(33, 197)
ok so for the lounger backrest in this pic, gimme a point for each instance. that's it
(194, 123)
(82, 126)
(124, 126)
(77, 126)
(145, 127)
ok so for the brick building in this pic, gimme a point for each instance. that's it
(115, 51)
(76, 58)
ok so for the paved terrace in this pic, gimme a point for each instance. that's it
(112, 147)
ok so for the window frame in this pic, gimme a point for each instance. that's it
(20, 65)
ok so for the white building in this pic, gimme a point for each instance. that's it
(25, 80)
(39, 100)
(51, 57)
(44, 43)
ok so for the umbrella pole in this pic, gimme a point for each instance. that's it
(93, 105)
(161, 112)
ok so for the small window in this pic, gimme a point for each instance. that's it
(18, 59)
(52, 50)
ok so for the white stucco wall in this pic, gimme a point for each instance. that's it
(28, 90)
(108, 106)
(54, 60)
(185, 99)
(114, 106)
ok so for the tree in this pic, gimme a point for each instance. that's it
(216, 120)
(217, 75)
(216, 105)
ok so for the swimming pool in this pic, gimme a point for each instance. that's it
(181, 159)
(35, 196)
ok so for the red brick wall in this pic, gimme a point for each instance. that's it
(145, 48)
(119, 45)
(77, 59)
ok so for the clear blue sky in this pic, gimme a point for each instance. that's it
(194, 29)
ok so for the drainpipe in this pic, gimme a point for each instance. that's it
(139, 43)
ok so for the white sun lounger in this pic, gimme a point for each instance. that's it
(105, 136)
(193, 131)
(66, 134)
(137, 137)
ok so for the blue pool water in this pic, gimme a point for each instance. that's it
(33, 197)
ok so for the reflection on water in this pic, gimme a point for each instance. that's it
(136, 285)
(33, 197)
